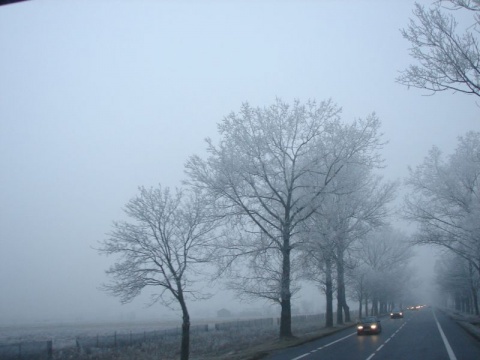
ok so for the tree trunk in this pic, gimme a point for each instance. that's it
(339, 308)
(475, 301)
(346, 309)
(341, 297)
(340, 287)
(185, 347)
(329, 293)
(360, 308)
(473, 289)
(384, 307)
(458, 303)
(286, 311)
(366, 305)
(360, 298)
(286, 319)
(340, 290)
(374, 306)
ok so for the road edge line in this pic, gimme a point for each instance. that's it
(450, 352)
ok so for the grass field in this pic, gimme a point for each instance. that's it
(221, 340)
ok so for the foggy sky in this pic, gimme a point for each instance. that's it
(98, 98)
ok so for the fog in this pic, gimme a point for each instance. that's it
(98, 98)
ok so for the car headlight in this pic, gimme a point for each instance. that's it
(374, 326)
(360, 327)
(401, 314)
(391, 314)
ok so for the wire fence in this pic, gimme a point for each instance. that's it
(99, 343)
(32, 350)
(130, 339)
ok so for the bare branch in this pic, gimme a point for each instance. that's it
(447, 60)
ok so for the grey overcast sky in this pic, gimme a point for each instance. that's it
(100, 97)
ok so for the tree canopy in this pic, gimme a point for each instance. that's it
(447, 58)
(264, 175)
(166, 236)
(445, 199)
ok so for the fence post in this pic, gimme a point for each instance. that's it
(79, 346)
(49, 349)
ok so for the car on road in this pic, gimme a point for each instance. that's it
(369, 325)
(396, 313)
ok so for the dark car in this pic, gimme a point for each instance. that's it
(369, 325)
(396, 314)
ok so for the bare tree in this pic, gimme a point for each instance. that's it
(318, 264)
(166, 238)
(260, 176)
(455, 277)
(257, 274)
(359, 281)
(445, 200)
(447, 59)
(356, 205)
(384, 256)
(360, 211)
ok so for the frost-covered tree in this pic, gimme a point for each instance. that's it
(445, 199)
(166, 238)
(383, 258)
(260, 175)
(447, 58)
(455, 278)
(356, 204)
(318, 258)
(360, 281)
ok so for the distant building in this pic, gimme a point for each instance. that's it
(224, 313)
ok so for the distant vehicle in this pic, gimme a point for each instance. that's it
(396, 314)
(416, 307)
(369, 325)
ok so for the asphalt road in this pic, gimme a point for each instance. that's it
(425, 334)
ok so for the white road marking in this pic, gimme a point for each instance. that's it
(324, 346)
(301, 356)
(386, 341)
(450, 352)
(372, 355)
(333, 342)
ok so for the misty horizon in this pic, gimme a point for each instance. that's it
(97, 100)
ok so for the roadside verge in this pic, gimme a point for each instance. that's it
(469, 322)
(258, 352)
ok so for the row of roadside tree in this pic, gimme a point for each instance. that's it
(289, 193)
